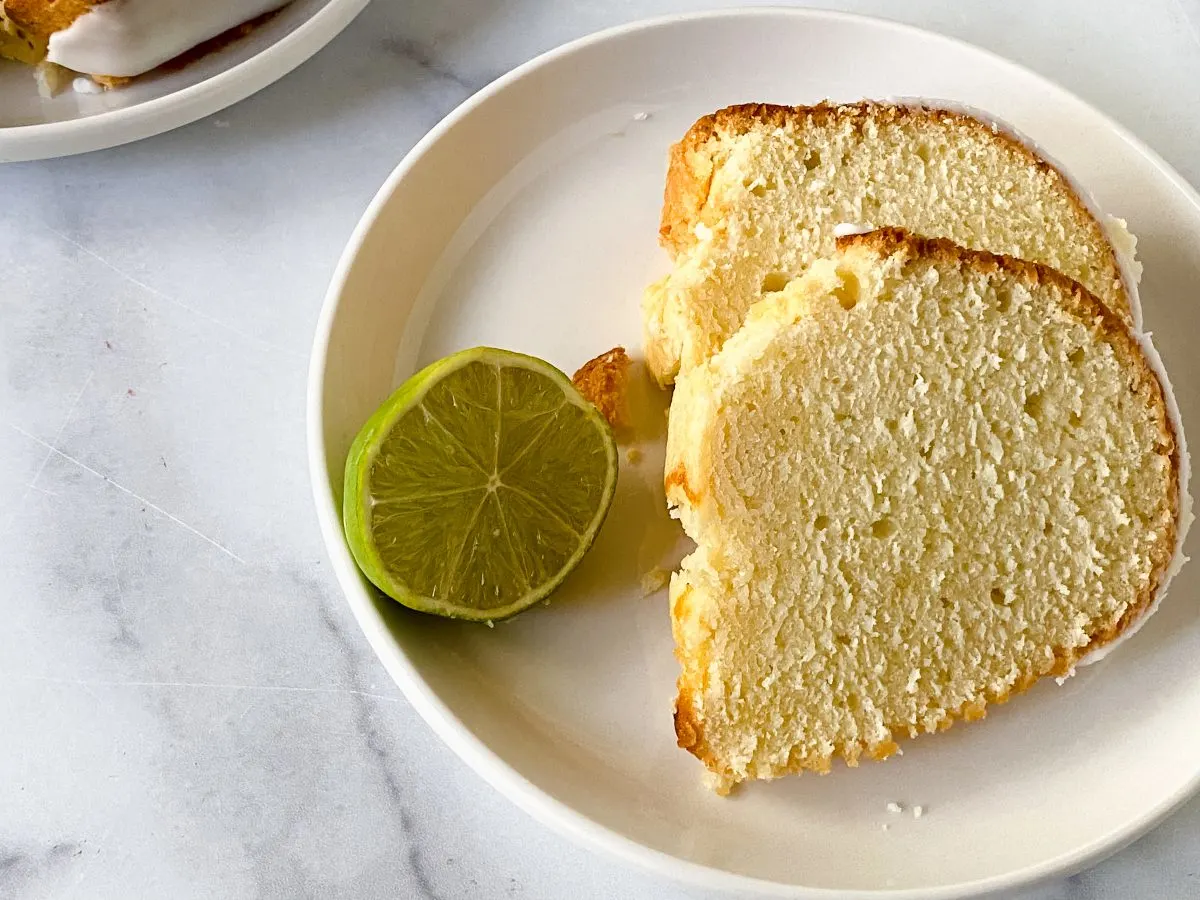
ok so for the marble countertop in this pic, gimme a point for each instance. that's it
(189, 710)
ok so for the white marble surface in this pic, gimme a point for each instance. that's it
(188, 710)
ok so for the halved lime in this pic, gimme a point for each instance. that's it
(478, 485)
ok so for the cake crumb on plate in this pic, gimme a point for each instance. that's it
(604, 381)
(654, 581)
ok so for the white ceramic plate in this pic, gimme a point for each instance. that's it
(527, 220)
(32, 127)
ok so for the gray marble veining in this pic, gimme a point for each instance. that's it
(188, 708)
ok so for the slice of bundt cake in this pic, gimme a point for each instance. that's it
(919, 478)
(755, 193)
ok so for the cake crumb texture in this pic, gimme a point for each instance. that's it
(755, 193)
(919, 478)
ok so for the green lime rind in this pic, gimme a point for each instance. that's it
(485, 472)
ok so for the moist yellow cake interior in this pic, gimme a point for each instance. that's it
(916, 483)
(755, 194)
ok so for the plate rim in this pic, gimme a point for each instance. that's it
(549, 811)
(113, 128)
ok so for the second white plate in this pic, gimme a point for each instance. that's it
(33, 127)
(528, 220)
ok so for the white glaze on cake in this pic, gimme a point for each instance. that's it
(131, 37)
(1124, 246)
(845, 229)
(1185, 515)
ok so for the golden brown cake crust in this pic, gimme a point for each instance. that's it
(690, 168)
(1109, 328)
(42, 18)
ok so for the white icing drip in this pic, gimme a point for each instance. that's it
(1124, 242)
(845, 229)
(85, 85)
(129, 37)
(1185, 518)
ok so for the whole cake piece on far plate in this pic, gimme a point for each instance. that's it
(111, 41)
